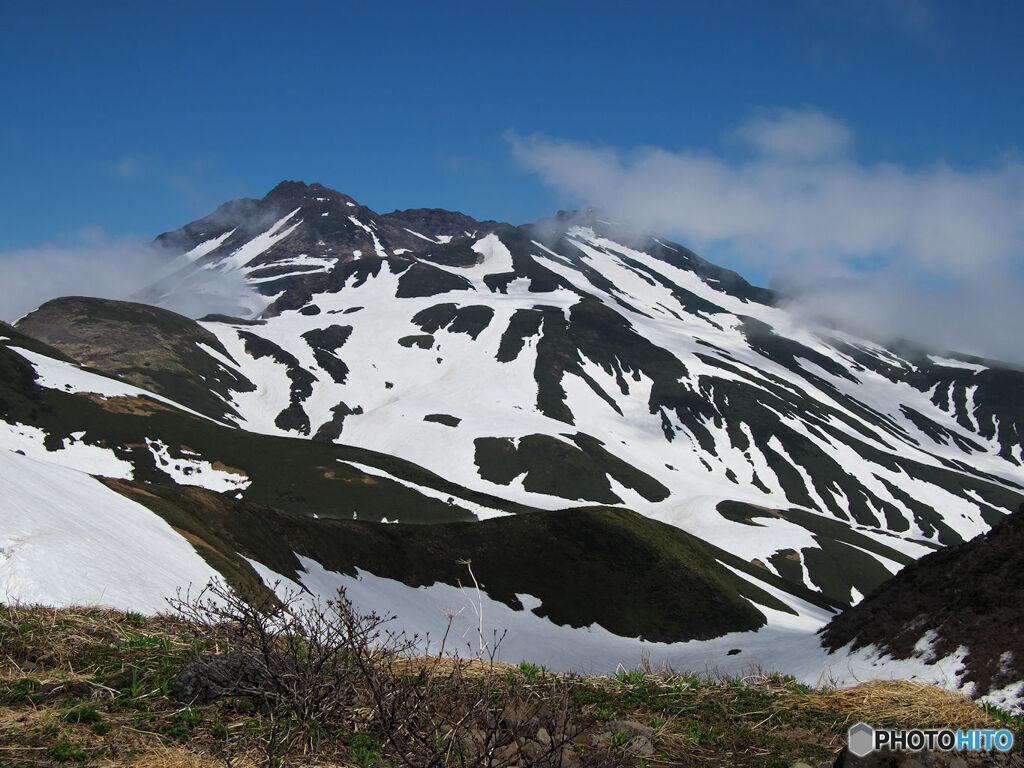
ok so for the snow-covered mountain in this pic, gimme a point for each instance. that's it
(421, 366)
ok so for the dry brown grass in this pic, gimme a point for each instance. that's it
(706, 718)
(908, 702)
(56, 640)
(446, 665)
(179, 757)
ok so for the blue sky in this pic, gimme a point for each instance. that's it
(122, 120)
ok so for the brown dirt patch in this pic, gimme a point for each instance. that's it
(225, 468)
(125, 489)
(133, 406)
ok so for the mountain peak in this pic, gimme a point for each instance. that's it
(299, 192)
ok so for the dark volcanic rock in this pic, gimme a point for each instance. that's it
(213, 677)
(437, 221)
(970, 595)
(321, 223)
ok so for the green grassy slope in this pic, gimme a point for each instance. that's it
(632, 575)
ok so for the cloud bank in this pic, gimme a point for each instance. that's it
(95, 264)
(90, 264)
(933, 254)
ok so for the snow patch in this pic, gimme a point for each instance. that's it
(57, 374)
(73, 453)
(193, 470)
(66, 539)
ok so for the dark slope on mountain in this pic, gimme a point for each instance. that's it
(162, 443)
(153, 348)
(970, 595)
(437, 222)
(838, 559)
(631, 575)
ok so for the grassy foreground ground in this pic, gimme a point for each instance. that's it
(95, 687)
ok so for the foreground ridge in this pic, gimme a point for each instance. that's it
(72, 675)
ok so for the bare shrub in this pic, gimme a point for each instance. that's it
(321, 672)
(300, 660)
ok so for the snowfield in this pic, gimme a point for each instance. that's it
(66, 539)
(787, 644)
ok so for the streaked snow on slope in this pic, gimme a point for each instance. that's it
(391, 386)
(253, 248)
(57, 374)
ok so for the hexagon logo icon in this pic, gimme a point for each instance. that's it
(860, 739)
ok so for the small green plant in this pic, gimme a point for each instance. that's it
(19, 689)
(694, 683)
(101, 728)
(630, 676)
(365, 750)
(1003, 715)
(700, 734)
(137, 687)
(83, 713)
(657, 722)
(174, 731)
(187, 716)
(135, 619)
(531, 672)
(64, 751)
(242, 706)
(619, 741)
(179, 725)
(147, 641)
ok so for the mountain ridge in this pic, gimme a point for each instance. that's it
(423, 367)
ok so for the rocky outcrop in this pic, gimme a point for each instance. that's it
(970, 595)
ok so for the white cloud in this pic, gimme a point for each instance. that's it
(95, 264)
(127, 168)
(801, 205)
(796, 133)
